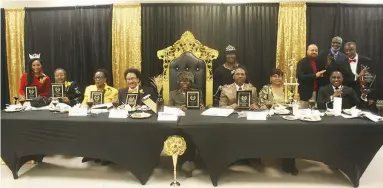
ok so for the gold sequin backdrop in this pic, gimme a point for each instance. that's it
(14, 33)
(126, 41)
(291, 42)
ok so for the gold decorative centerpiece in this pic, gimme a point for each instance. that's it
(175, 146)
(291, 84)
(188, 44)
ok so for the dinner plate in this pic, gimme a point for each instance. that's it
(310, 119)
(140, 115)
(290, 118)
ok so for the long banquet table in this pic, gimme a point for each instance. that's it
(348, 144)
(131, 143)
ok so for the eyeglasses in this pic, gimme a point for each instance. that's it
(98, 77)
(131, 78)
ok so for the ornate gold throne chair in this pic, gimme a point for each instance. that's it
(188, 54)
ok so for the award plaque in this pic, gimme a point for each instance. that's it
(244, 99)
(192, 99)
(58, 90)
(131, 99)
(30, 92)
(97, 97)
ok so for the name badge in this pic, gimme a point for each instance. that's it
(244, 99)
(57, 90)
(30, 92)
(192, 99)
(97, 97)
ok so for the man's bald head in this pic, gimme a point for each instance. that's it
(312, 51)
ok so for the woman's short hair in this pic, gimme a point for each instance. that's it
(103, 71)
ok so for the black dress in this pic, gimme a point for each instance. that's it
(72, 91)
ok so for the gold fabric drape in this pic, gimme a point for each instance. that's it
(14, 33)
(126, 41)
(291, 42)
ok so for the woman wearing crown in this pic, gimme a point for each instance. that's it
(35, 77)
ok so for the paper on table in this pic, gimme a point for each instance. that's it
(256, 115)
(337, 106)
(373, 117)
(221, 112)
(174, 110)
(118, 114)
(166, 116)
(77, 112)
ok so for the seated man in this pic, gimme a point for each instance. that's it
(228, 96)
(178, 97)
(336, 89)
(133, 85)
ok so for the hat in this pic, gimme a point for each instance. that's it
(185, 75)
(230, 49)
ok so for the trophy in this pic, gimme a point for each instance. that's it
(175, 146)
(366, 80)
(291, 85)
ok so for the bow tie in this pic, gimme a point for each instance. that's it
(351, 60)
(132, 90)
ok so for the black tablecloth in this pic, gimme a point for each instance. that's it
(131, 143)
(348, 144)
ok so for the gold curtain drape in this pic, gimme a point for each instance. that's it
(14, 33)
(291, 42)
(126, 41)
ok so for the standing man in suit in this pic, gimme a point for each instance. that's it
(308, 74)
(327, 93)
(328, 58)
(228, 96)
(133, 80)
(351, 68)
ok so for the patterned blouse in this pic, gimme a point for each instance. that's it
(266, 94)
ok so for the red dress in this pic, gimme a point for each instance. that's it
(43, 84)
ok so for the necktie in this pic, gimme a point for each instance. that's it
(240, 89)
(351, 60)
(336, 88)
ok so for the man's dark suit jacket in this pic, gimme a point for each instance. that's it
(322, 62)
(306, 78)
(122, 93)
(349, 97)
(348, 77)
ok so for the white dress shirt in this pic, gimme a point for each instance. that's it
(353, 66)
(237, 86)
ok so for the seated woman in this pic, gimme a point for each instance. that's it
(35, 77)
(178, 97)
(133, 85)
(110, 93)
(274, 93)
(72, 91)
